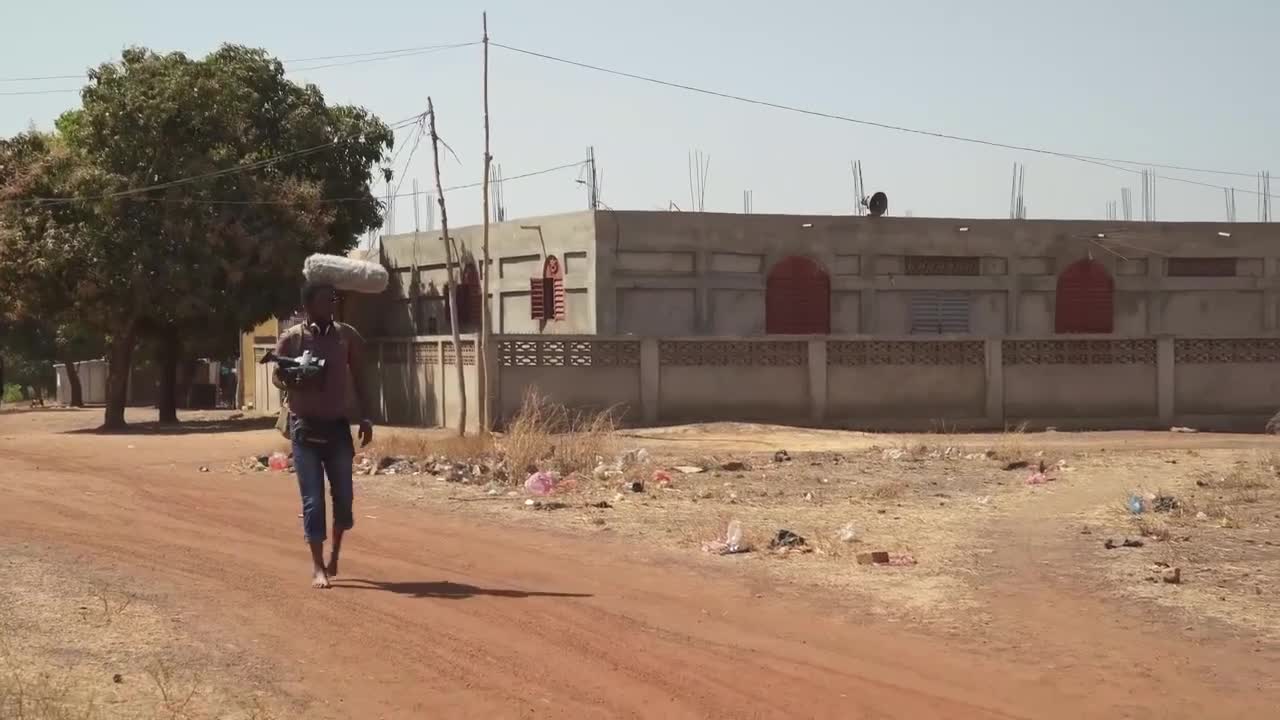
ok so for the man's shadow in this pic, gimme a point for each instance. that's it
(446, 590)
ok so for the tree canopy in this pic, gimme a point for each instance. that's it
(183, 195)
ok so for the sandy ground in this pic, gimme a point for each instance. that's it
(457, 611)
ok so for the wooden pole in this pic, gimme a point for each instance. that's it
(482, 356)
(451, 270)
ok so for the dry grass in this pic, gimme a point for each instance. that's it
(926, 500)
(26, 695)
(1230, 499)
(1012, 445)
(1153, 527)
(547, 436)
(946, 501)
(889, 489)
(1220, 535)
(176, 689)
(76, 648)
(542, 436)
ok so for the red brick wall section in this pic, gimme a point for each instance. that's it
(797, 298)
(1086, 299)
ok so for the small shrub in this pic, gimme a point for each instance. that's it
(1154, 528)
(547, 436)
(887, 489)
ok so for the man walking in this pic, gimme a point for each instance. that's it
(318, 421)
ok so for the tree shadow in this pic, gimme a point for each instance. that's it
(446, 590)
(185, 427)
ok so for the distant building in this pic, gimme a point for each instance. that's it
(709, 274)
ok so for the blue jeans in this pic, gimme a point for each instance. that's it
(312, 463)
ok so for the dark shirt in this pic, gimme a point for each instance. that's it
(341, 346)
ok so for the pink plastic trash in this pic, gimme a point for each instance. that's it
(661, 478)
(278, 461)
(541, 483)
(567, 485)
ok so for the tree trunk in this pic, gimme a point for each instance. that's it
(73, 384)
(24, 392)
(457, 358)
(119, 367)
(451, 270)
(482, 344)
(170, 355)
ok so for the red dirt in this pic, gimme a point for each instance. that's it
(459, 619)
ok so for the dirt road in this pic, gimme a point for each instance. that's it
(438, 616)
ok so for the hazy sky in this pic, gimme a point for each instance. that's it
(1167, 81)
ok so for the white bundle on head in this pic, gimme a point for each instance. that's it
(346, 274)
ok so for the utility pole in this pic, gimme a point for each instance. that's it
(593, 191)
(482, 356)
(451, 270)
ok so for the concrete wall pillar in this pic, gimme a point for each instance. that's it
(867, 302)
(1269, 295)
(1165, 379)
(492, 380)
(702, 323)
(994, 352)
(817, 380)
(650, 377)
(442, 419)
(423, 374)
(1013, 295)
(1155, 313)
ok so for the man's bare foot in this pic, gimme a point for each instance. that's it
(320, 580)
(332, 568)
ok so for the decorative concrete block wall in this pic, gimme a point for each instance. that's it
(947, 383)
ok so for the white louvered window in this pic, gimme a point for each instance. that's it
(939, 312)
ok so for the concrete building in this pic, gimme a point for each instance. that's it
(872, 323)
(709, 274)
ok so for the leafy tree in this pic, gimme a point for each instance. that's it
(26, 351)
(201, 186)
(38, 319)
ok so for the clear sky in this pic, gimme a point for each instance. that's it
(1167, 81)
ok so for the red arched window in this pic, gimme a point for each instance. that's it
(469, 303)
(797, 298)
(1086, 298)
(546, 293)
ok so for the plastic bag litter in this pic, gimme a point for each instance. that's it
(278, 461)
(1136, 504)
(848, 533)
(639, 456)
(541, 483)
(731, 543)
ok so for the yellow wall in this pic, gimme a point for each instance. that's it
(265, 332)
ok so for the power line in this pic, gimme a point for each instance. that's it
(39, 78)
(544, 171)
(417, 140)
(41, 92)
(397, 56)
(877, 124)
(202, 201)
(373, 56)
(398, 51)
